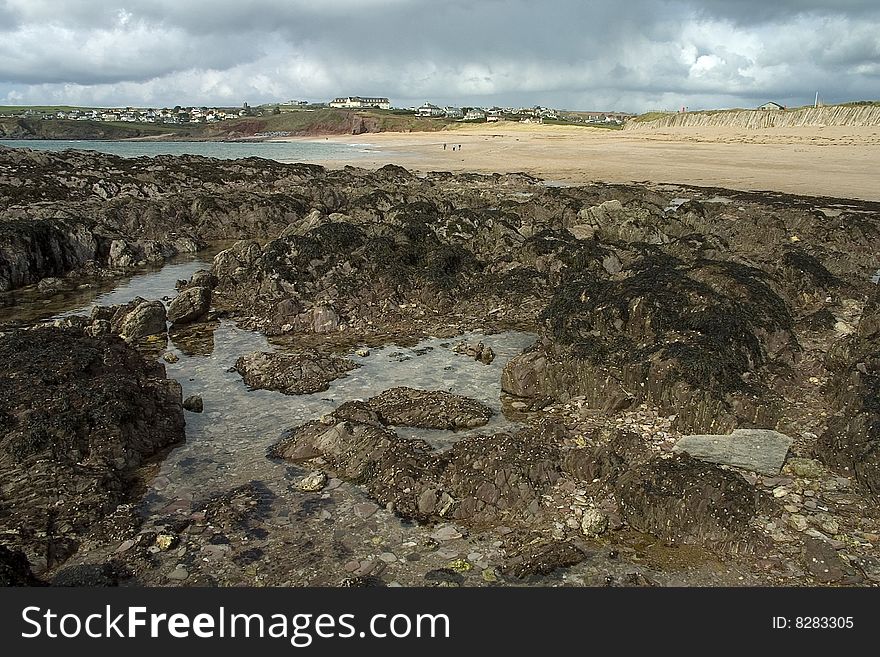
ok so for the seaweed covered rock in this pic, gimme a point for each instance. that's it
(852, 440)
(80, 414)
(683, 500)
(481, 480)
(292, 373)
(690, 337)
(428, 409)
(15, 570)
(316, 282)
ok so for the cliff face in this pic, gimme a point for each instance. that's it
(840, 115)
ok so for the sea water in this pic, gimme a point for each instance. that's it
(287, 151)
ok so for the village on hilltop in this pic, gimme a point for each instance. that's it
(203, 115)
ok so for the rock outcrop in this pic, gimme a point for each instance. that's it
(79, 415)
(428, 409)
(852, 440)
(301, 373)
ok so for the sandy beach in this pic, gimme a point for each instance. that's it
(840, 162)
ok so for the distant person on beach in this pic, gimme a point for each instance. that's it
(444, 147)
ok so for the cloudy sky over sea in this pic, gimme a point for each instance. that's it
(630, 55)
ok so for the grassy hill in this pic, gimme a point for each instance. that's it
(295, 123)
(326, 122)
(20, 128)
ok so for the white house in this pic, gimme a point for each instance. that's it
(475, 115)
(453, 112)
(361, 102)
(429, 110)
(771, 106)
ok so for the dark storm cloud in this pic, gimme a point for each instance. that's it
(632, 55)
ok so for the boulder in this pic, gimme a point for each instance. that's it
(190, 305)
(145, 319)
(759, 450)
(194, 404)
(300, 373)
(429, 409)
(685, 501)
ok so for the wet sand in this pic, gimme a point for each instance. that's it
(840, 162)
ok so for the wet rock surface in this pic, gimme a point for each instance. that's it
(190, 305)
(292, 373)
(758, 450)
(80, 414)
(683, 500)
(659, 311)
(428, 409)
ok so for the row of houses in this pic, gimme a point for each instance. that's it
(529, 115)
(176, 115)
(430, 110)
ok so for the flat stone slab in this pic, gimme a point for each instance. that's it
(759, 450)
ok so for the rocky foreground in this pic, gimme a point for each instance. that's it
(660, 313)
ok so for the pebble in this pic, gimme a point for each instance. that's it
(459, 565)
(179, 573)
(798, 522)
(806, 468)
(446, 533)
(170, 357)
(815, 533)
(831, 526)
(388, 557)
(363, 353)
(365, 509)
(312, 482)
(594, 523)
(165, 541)
(215, 551)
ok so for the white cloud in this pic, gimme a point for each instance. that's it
(632, 56)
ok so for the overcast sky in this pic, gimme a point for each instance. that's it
(627, 55)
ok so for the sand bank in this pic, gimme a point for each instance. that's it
(824, 161)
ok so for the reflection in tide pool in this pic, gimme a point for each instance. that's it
(226, 444)
(30, 305)
(148, 286)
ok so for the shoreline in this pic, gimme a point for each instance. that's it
(833, 162)
(827, 161)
